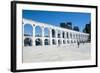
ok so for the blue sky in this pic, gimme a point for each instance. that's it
(55, 18)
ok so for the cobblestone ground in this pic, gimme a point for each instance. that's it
(57, 53)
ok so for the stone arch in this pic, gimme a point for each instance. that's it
(38, 31)
(46, 32)
(63, 34)
(38, 42)
(82, 36)
(79, 36)
(59, 34)
(74, 36)
(64, 42)
(71, 41)
(46, 42)
(68, 41)
(70, 35)
(53, 42)
(59, 42)
(77, 41)
(53, 33)
(28, 30)
(27, 42)
(67, 35)
(74, 41)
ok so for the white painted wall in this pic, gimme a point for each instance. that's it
(56, 29)
(5, 37)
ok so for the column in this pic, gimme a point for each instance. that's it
(69, 38)
(61, 38)
(56, 38)
(42, 35)
(50, 32)
(23, 35)
(34, 35)
(72, 37)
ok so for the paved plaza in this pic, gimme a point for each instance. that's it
(56, 53)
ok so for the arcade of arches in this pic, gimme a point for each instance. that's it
(39, 35)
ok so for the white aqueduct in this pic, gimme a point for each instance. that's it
(50, 35)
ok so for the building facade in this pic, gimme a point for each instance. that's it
(46, 34)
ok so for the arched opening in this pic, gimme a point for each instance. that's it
(73, 36)
(38, 31)
(59, 34)
(71, 41)
(70, 35)
(46, 32)
(74, 41)
(46, 42)
(27, 42)
(28, 30)
(64, 42)
(68, 41)
(38, 42)
(76, 36)
(77, 41)
(63, 34)
(79, 36)
(67, 35)
(59, 42)
(53, 42)
(53, 33)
